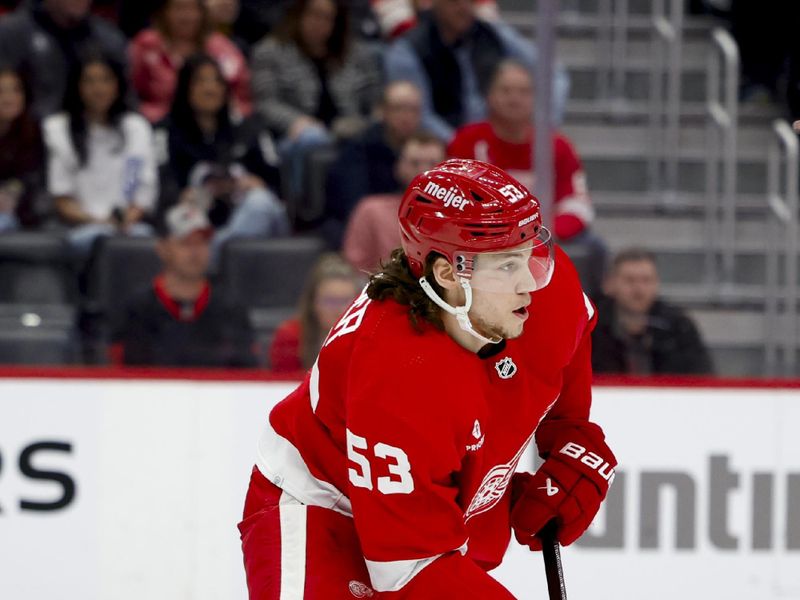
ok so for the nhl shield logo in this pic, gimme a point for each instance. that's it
(505, 367)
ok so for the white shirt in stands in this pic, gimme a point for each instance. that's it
(116, 174)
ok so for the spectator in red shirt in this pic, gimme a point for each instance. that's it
(182, 29)
(506, 140)
(331, 287)
(372, 231)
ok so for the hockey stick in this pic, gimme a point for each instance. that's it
(553, 569)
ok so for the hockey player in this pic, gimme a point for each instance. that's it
(389, 472)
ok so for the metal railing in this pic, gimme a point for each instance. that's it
(665, 96)
(782, 244)
(722, 120)
(611, 40)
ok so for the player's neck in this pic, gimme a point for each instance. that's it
(459, 336)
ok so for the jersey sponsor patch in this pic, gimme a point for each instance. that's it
(505, 367)
(494, 485)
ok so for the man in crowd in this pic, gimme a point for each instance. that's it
(179, 320)
(506, 139)
(639, 334)
(372, 231)
(366, 164)
(47, 39)
(450, 55)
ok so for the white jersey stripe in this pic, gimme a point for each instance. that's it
(293, 547)
(589, 306)
(313, 386)
(281, 463)
(390, 576)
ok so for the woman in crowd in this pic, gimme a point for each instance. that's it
(181, 29)
(227, 165)
(312, 80)
(331, 287)
(21, 155)
(101, 168)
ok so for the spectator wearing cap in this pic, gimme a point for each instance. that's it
(372, 231)
(47, 39)
(331, 286)
(181, 29)
(226, 166)
(365, 165)
(180, 320)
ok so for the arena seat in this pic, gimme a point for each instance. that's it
(121, 266)
(259, 273)
(265, 322)
(35, 269)
(37, 345)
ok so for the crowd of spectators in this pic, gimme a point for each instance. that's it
(195, 120)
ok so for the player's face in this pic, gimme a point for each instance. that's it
(634, 286)
(502, 283)
(499, 315)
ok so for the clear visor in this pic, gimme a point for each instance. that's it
(524, 269)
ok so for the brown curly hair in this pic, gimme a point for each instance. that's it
(395, 280)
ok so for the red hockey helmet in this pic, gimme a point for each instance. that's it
(462, 208)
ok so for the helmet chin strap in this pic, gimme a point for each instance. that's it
(459, 312)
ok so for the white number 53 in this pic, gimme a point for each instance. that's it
(511, 192)
(399, 480)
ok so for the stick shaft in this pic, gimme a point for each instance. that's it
(553, 568)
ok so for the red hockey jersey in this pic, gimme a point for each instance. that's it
(573, 208)
(417, 438)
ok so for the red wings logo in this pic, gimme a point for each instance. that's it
(494, 485)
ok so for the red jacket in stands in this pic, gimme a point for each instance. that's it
(573, 209)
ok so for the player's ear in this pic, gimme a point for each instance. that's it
(444, 274)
